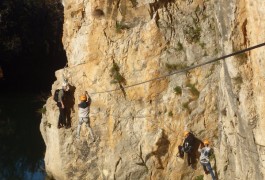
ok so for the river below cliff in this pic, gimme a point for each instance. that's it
(22, 147)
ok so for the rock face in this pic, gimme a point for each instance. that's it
(113, 44)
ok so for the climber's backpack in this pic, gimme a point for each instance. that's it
(187, 147)
(189, 141)
(56, 95)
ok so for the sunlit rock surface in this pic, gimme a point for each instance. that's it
(139, 128)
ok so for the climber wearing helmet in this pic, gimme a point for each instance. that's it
(83, 111)
(204, 158)
(187, 146)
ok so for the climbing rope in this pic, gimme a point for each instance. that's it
(83, 84)
(185, 69)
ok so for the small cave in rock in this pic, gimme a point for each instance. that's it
(224, 112)
(97, 13)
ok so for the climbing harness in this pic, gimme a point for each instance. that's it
(84, 75)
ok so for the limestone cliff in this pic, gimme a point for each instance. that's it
(112, 44)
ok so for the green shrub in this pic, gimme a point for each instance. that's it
(202, 44)
(134, 3)
(200, 177)
(216, 51)
(47, 124)
(194, 91)
(120, 26)
(242, 55)
(117, 78)
(186, 106)
(242, 58)
(192, 33)
(212, 156)
(42, 110)
(114, 68)
(179, 47)
(170, 113)
(178, 90)
(116, 75)
(175, 67)
(238, 80)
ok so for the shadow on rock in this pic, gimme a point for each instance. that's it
(162, 149)
(69, 101)
(194, 154)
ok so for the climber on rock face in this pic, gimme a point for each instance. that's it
(204, 158)
(187, 146)
(61, 105)
(83, 111)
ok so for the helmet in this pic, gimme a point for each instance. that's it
(65, 86)
(186, 133)
(83, 98)
(206, 142)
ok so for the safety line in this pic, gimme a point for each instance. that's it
(185, 69)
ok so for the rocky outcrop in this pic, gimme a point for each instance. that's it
(114, 44)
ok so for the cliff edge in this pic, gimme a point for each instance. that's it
(113, 44)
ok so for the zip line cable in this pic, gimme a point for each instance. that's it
(186, 69)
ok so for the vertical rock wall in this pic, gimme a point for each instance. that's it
(139, 128)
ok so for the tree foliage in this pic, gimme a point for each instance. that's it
(30, 39)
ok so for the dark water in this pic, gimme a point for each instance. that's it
(31, 48)
(31, 51)
(21, 145)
